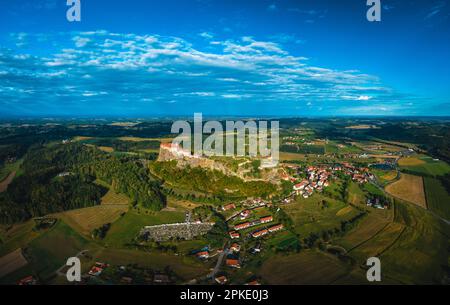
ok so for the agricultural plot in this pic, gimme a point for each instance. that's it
(50, 251)
(379, 243)
(12, 262)
(318, 213)
(185, 267)
(438, 200)
(409, 188)
(307, 267)
(5, 182)
(424, 165)
(365, 230)
(420, 254)
(87, 219)
(16, 236)
(113, 198)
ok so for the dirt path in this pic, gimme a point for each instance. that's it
(4, 184)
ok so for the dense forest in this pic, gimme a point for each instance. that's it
(61, 177)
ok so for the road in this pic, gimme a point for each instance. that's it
(219, 262)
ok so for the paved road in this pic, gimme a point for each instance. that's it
(219, 262)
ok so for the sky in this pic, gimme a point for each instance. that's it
(247, 57)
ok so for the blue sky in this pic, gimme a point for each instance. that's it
(249, 57)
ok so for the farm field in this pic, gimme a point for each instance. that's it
(365, 230)
(16, 236)
(312, 215)
(307, 267)
(87, 219)
(424, 165)
(50, 251)
(113, 198)
(5, 182)
(286, 156)
(378, 243)
(409, 188)
(438, 200)
(185, 267)
(8, 168)
(420, 253)
(11, 262)
(125, 229)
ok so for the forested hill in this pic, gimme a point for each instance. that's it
(61, 177)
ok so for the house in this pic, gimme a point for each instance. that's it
(244, 214)
(301, 185)
(234, 234)
(234, 263)
(235, 247)
(276, 228)
(259, 233)
(242, 226)
(230, 206)
(221, 280)
(202, 254)
(97, 269)
(266, 219)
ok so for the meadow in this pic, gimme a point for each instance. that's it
(438, 199)
(424, 165)
(318, 213)
(409, 188)
(304, 268)
(127, 227)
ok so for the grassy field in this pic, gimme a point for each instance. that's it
(438, 200)
(113, 198)
(378, 243)
(5, 182)
(85, 220)
(286, 156)
(12, 262)
(16, 236)
(310, 215)
(124, 230)
(50, 251)
(186, 267)
(307, 267)
(409, 188)
(8, 168)
(424, 165)
(420, 255)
